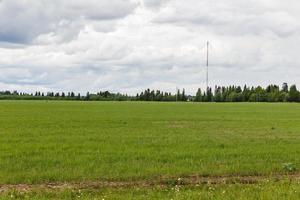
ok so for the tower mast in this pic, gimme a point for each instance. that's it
(207, 56)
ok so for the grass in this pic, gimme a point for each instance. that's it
(264, 191)
(75, 141)
(44, 141)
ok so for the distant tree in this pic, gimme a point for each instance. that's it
(152, 95)
(148, 95)
(282, 96)
(285, 87)
(246, 93)
(271, 93)
(183, 96)
(218, 94)
(7, 93)
(253, 98)
(50, 94)
(198, 95)
(87, 97)
(209, 95)
(178, 95)
(106, 94)
(142, 97)
(204, 97)
(238, 89)
(294, 94)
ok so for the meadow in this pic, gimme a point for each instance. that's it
(62, 142)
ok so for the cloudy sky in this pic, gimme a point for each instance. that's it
(130, 45)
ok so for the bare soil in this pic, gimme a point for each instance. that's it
(160, 182)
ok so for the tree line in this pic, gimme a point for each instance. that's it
(72, 96)
(272, 93)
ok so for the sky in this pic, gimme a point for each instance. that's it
(130, 45)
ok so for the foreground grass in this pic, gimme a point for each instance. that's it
(266, 190)
(77, 141)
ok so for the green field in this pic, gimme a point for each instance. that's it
(42, 142)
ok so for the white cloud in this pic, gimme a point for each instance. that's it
(127, 46)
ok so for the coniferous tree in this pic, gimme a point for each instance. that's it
(218, 94)
(87, 97)
(178, 95)
(198, 95)
(285, 87)
(294, 94)
(209, 95)
(183, 96)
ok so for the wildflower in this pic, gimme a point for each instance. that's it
(177, 188)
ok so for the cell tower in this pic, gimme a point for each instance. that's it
(207, 56)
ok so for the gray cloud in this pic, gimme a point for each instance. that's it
(155, 3)
(22, 21)
(233, 17)
(127, 46)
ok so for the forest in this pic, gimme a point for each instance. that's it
(272, 93)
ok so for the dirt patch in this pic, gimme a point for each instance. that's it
(161, 182)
